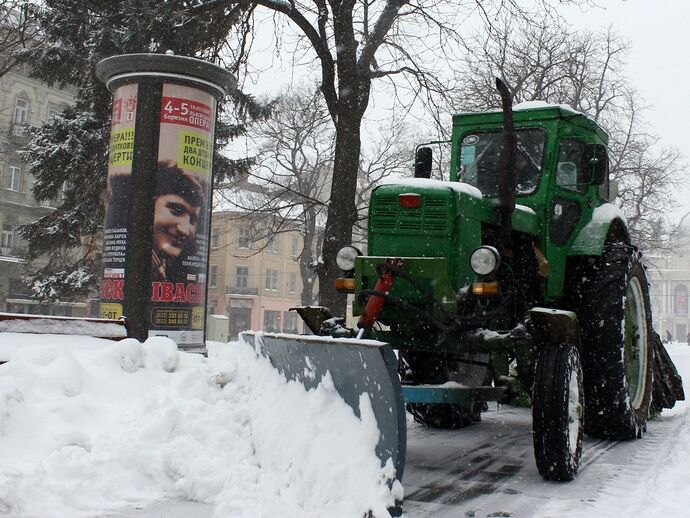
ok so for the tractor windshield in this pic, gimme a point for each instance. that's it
(480, 155)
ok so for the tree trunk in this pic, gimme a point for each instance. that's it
(342, 212)
(306, 259)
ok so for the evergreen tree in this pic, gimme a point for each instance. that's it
(68, 155)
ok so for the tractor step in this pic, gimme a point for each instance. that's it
(453, 393)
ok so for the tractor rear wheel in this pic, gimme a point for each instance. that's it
(429, 368)
(557, 412)
(617, 349)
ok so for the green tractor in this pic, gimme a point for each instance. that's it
(513, 280)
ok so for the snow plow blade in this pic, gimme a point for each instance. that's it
(357, 367)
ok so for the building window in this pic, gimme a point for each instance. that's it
(271, 280)
(242, 276)
(271, 321)
(21, 111)
(243, 238)
(680, 300)
(66, 188)
(213, 278)
(215, 238)
(292, 286)
(290, 322)
(274, 244)
(294, 252)
(7, 237)
(52, 112)
(13, 178)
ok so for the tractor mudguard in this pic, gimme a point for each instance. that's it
(357, 367)
(553, 327)
(590, 240)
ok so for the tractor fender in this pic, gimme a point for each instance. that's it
(552, 327)
(607, 220)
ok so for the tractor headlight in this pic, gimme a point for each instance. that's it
(346, 258)
(485, 260)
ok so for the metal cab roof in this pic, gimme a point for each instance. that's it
(531, 113)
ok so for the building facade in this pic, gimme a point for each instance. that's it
(24, 102)
(253, 282)
(669, 276)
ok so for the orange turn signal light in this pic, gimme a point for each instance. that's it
(485, 288)
(346, 284)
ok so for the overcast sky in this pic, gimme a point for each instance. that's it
(658, 64)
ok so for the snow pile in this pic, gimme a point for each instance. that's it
(62, 326)
(88, 426)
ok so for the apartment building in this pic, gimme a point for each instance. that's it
(24, 102)
(254, 282)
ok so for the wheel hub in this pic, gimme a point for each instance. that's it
(635, 342)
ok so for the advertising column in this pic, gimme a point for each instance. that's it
(158, 200)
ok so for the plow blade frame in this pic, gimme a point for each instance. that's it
(356, 367)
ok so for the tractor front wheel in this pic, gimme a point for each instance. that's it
(557, 412)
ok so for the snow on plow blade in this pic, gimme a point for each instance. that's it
(356, 367)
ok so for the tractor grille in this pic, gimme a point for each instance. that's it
(387, 215)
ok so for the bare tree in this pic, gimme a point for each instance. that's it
(353, 44)
(295, 160)
(585, 70)
(293, 174)
(18, 30)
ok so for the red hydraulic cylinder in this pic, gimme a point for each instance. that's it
(375, 302)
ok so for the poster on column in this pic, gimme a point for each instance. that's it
(181, 209)
(120, 157)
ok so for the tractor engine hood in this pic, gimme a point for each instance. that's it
(468, 203)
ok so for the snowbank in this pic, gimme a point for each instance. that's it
(88, 426)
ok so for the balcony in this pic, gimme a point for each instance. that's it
(13, 251)
(19, 132)
(18, 290)
(241, 290)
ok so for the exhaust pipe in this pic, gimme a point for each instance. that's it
(507, 183)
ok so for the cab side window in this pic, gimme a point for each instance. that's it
(573, 171)
(602, 160)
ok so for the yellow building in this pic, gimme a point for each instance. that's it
(254, 282)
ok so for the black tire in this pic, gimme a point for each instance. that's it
(429, 368)
(558, 411)
(618, 356)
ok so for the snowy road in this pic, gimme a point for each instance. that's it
(488, 471)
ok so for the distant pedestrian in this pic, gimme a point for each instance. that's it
(669, 336)
(687, 339)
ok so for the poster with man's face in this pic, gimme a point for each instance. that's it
(181, 202)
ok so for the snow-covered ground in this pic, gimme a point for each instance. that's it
(88, 426)
(96, 428)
